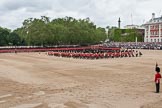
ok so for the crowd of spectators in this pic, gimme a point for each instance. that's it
(135, 45)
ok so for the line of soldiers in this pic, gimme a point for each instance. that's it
(96, 55)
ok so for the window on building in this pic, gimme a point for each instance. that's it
(151, 27)
(151, 40)
(147, 27)
(154, 40)
(158, 40)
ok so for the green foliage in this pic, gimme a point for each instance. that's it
(8, 38)
(125, 35)
(14, 39)
(4, 36)
(64, 31)
(60, 31)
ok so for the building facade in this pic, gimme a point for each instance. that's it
(133, 27)
(153, 29)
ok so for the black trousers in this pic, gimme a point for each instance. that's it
(157, 87)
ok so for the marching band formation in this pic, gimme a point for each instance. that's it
(95, 53)
(90, 52)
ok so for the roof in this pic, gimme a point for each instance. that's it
(155, 20)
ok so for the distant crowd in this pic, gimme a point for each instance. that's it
(125, 45)
(134, 45)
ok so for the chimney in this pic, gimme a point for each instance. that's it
(153, 16)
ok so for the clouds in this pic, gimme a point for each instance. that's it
(101, 12)
(34, 5)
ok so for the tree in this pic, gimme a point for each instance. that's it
(14, 39)
(4, 36)
(60, 31)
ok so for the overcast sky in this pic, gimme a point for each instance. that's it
(102, 12)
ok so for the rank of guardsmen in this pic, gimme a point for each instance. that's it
(92, 53)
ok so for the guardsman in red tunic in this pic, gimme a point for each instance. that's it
(157, 79)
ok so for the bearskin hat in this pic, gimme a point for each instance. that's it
(157, 69)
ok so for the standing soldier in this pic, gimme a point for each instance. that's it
(136, 53)
(140, 54)
(157, 78)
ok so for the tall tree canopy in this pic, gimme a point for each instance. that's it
(60, 31)
(4, 33)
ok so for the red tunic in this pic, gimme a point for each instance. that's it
(157, 77)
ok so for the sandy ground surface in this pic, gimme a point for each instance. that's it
(32, 80)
